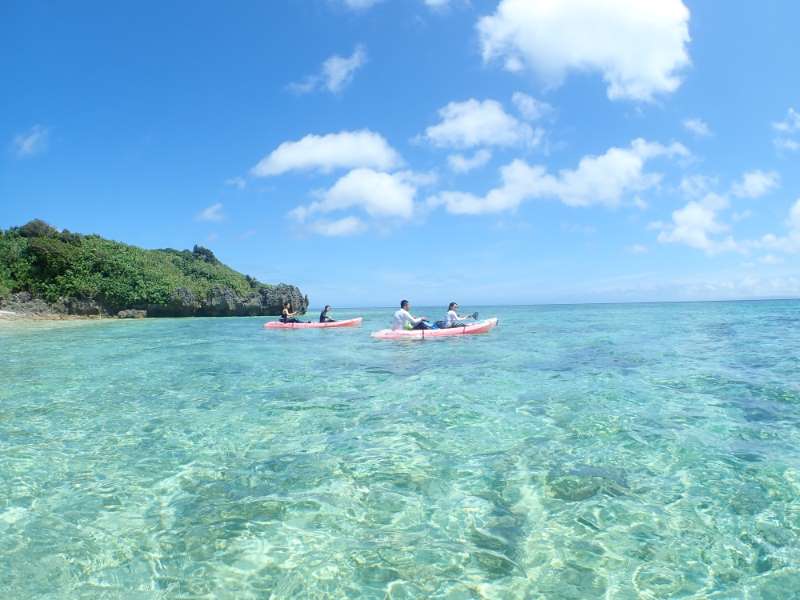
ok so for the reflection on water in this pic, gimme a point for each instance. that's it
(637, 451)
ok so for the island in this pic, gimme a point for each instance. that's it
(50, 273)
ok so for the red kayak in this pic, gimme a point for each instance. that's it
(346, 323)
(423, 334)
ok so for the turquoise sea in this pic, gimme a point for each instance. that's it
(589, 451)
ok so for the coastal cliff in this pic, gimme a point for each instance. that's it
(51, 273)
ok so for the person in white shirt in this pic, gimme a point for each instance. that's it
(453, 318)
(403, 317)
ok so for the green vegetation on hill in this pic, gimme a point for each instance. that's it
(55, 265)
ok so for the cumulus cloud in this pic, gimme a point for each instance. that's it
(529, 107)
(346, 149)
(638, 47)
(698, 127)
(786, 131)
(791, 124)
(637, 249)
(603, 179)
(340, 227)
(335, 74)
(211, 213)
(755, 184)
(789, 243)
(462, 164)
(387, 197)
(30, 143)
(696, 225)
(479, 123)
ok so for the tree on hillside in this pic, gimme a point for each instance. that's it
(204, 254)
(37, 228)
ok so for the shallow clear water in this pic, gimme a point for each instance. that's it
(618, 451)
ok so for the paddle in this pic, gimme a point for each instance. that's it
(474, 315)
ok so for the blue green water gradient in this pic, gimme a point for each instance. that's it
(597, 451)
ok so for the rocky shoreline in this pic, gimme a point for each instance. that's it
(220, 302)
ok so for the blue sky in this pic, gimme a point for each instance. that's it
(486, 151)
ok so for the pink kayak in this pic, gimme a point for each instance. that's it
(346, 323)
(423, 334)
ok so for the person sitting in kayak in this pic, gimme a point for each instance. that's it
(403, 320)
(323, 316)
(287, 316)
(453, 319)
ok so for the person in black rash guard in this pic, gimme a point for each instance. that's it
(323, 316)
(287, 316)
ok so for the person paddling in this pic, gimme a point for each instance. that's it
(453, 319)
(287, 316)
(323, 316)
(404, 320)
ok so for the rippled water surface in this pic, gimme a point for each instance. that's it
(607, 451)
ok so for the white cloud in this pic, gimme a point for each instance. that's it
(603, 179)
(697, 186)
(755, 184)
(417, 179)
(462, 164)
(787, 144)
(360, 4)
(696, 225)
(238, 182)
(339, 227)
(31, 143)
(697, 127)
(437, 4)
(638, 46)
(770, 259)
(346, 149)
(786, 130)
(790, 125)
(380, 195)
(211, 213)
(637, 249)
(474, 123)
(339, 70)
(529, 107)
(335, 74)
(790, 243)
